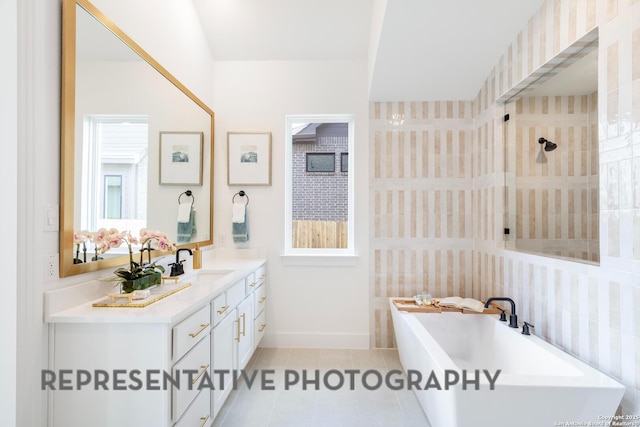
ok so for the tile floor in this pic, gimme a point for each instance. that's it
(251, 407)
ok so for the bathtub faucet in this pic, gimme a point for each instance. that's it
(513, 319)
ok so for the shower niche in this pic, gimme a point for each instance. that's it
(550, 129)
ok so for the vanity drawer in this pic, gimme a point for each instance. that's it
(197, 360)
(191, 330)
(260, 326)
(219, 308)
(259, 300)
(261, 275)
(251, 283)
(199, 413)
(235, 294)
(255, 279)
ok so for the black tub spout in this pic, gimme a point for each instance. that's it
(513, 319)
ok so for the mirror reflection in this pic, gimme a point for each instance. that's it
(551, 143)
(127, 111)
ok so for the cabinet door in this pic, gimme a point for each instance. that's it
(244, 331)
(223, 352)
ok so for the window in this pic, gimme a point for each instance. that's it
(318, 199)
(115, 172)
(344, 162)
(112, 197)
(321, 162)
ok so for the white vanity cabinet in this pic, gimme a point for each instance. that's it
(131, 360)
(259, 303)
(223, 355)
(210, 328)
(233, 337)
(197, 360)
(223, 347)
(244, 331)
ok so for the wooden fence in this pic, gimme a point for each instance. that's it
(319, 234)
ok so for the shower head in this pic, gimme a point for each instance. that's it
(548, 145)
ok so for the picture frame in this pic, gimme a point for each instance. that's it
(181, 158)
(248, 158)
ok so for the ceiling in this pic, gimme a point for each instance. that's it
(424, 49)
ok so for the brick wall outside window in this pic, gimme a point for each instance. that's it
(319, 196)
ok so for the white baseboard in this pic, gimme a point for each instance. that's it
(319, 340)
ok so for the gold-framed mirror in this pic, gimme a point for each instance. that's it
(132, 140)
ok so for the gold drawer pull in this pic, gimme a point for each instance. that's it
(252, 284)
(204, 420)
(238, 322)
(261, 300)
(202, 328)
(262, 276)
(244, 324)
(264, 325)
(204, 369)
(223, 309)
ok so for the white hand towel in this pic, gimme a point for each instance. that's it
(184, 211)
(237, 214)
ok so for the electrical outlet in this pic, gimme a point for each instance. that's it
(222, 239)
(51, 267)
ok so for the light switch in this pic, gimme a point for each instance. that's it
(51, 218)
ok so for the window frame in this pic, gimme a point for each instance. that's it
(302, 256)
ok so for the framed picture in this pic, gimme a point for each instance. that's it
(181, 158)
(249, 158)
(321, 162)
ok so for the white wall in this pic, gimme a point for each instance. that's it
(169, 31)
(308, 306)
(8, 176)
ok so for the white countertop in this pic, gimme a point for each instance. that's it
(168, 310)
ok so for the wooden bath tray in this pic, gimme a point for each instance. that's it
(158, 293)
(409, 305)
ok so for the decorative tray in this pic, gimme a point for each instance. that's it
(409, 305)
(155, 294)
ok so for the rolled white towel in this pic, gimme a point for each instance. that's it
(184, 212)
(237, 214)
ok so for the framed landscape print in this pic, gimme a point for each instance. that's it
(249, 158)
(181, 158)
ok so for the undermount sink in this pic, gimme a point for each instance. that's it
(206, 276)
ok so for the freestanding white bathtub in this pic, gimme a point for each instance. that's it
(538, 384)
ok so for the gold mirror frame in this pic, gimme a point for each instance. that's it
(67, 137)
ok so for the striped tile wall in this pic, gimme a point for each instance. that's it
(592, 311)
(421, 194)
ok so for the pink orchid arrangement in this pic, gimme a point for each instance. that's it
(81, 238)
(149, 239)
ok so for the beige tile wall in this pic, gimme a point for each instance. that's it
(420, 176)
(421, 193)
(590, 311)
